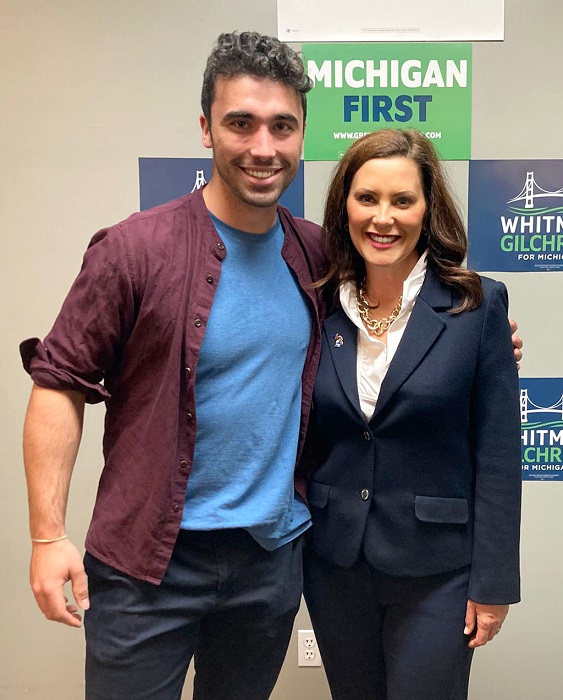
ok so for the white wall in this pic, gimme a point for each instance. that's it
(88, 86)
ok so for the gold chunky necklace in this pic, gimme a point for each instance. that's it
(374, 325)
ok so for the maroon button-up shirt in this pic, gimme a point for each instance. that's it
(129, 334)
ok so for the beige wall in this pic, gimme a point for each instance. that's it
(88, 86)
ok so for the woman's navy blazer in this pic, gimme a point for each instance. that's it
(432, 482)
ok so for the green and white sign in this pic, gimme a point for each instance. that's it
(361, 88)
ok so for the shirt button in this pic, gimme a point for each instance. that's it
(367, 436)
(176, 508)
(209, 279)
(220, 246)
(364, 494)
(189, 416)
(197, 323)
(183, 464)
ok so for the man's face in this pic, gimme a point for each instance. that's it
(256, 134)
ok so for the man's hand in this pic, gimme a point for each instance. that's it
(516, 342)
(483, 622)
(52, 565)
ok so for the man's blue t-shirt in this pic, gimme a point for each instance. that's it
(248, 395)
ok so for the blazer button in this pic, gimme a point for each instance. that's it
(364, 494)
(197, 323)
(183, 464)
(367, 436)
(189, 416)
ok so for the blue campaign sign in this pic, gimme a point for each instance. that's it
(516, 215)
(163, 179)
(541, 407)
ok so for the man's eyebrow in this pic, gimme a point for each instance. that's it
(287, 117)
(237, 114)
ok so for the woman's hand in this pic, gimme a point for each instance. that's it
(483, 622)
(516, 343)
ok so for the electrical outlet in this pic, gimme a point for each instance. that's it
(307, 650)
(309, 641)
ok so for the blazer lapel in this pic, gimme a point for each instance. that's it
(341, 336)
(422, 331)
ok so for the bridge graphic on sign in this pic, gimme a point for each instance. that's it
(531, 191)
(200, 180)
(525, 404)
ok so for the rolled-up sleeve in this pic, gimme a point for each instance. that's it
(86, 342)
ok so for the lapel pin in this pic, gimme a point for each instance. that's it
(338, 340)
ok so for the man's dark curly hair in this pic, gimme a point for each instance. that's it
(250, 53)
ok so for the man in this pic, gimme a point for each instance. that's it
(198, 312)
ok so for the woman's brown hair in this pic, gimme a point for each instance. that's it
(443, 233)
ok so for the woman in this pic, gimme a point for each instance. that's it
(415, 436)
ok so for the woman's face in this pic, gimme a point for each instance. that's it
(386, 208)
